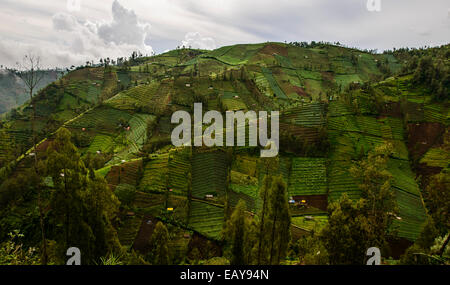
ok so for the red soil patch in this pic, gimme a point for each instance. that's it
(426, 172)
(300, 91)
(205, 247)
(398, 246)
(297, 233)
(272, 49)
(127, 173)
(422, 136)
(43, 146)
(327, 76)
(141, 242)
(393, 109)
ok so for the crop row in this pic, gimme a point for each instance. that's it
(209, 173)
(308, 177)
(155, 175)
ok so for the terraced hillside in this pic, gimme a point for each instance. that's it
(336, 104)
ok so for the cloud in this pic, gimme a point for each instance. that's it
(64, 22)
(86, 40)
(124, 28)
(196, 40)
(109, 29)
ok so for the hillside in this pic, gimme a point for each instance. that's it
(13, 92)
(337, 104)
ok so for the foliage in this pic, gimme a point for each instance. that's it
(14, 253)
(159, 242)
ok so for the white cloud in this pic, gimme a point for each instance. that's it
(196, 40)
(107, 29)
(77, 40)
(124, 28)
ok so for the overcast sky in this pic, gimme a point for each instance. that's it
(66, 32)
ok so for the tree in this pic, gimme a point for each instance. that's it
(235, 234)
(31, 74)
(377, 195)
(345, 236)
(279, 219)
(438, 202)
(82, 205)
(159, 243)
(14, 253)
(270, 164)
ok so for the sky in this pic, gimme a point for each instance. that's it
(71, 32)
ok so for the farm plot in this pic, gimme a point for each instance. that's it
(343, 145)
(209, 174)
(403, 177)
(206, 219)
(343, 123)
(341, 181)
(436, 157)
(310, 222)
(125, 173)
(338, 108)
(263, 85)
(242, 183)
(235, 197)
(392, 128)
(245, 164)
(309, 115)
(100, 119)
(128, 230)
(101, 143)
(232, 102)
(368, 125)
(155, 174)
(146, 200)
(142, 95)
(436, 113)
(138, 129)
(412, 215)
(308, 176)
(273, 83)
(179, 168)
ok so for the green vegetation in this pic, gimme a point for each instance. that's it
(363, 160)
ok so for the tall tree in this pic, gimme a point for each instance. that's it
(438, 201)
(345, 236)
(280, 220)
(269, 165)
(81, 204)
(379, 200)
(235, 234)
(159, 243)
(30, 71)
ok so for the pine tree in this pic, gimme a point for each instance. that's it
(159, 243)
(379, 200)
(82, 205)
(235, 233)
(280, 220)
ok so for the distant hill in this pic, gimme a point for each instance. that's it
(13, 91)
